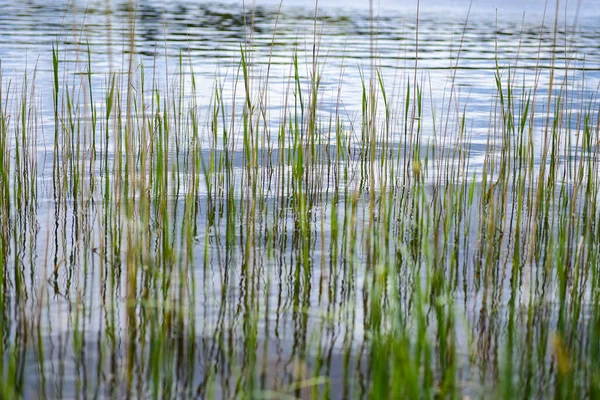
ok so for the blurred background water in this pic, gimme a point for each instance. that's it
(208, 36)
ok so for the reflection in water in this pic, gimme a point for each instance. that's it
(251, 263)
(208, 36)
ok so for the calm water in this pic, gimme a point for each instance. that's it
(208, 35)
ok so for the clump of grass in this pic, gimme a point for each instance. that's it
(177, 251)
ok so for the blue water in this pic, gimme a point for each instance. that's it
(207, 35)
(454, 48)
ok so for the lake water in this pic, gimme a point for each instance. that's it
(454, 48)
(207, 35)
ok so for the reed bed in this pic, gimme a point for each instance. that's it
(158, 249)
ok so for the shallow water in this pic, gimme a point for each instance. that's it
(259, 308)
(452, 39)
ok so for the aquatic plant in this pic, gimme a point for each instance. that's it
(176, 251)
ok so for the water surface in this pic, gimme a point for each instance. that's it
(452, 51)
